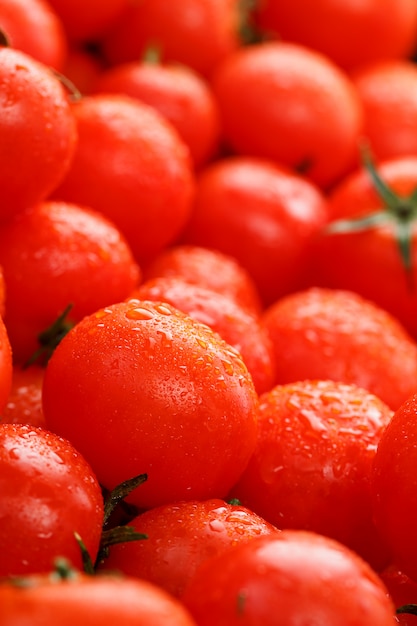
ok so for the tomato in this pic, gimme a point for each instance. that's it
(394, 487)
(288, 579)
(56, 254)
(2, 294)
(130, 165)
(301, 109)
(49, 492)
(387, 92)
(236, 326)
(89, 601)
(24, 402)
(350, 34)
(209, 268)
(336, 334)
(373, 234)
(178, 93)
(311, 468)
(37, 129)
(403, 591)
(6, 367)
(181, 537)
(33, 27)
(86, 21)
(195, 33)
(139, 387)
(262, 215)
(82, 68)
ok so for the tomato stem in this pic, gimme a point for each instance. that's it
(50, 338)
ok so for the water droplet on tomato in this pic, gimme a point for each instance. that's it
(139, 314)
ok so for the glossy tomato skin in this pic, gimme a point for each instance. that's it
(234, 324)
(140, 387)
(362, 258)
(34, 28)
(209, 268)
(261, 214)
(89, 601)
(131, 165)
(301, 109)
(56, 254)
(288, 579)
(24, 402)
(341, 30)
(49, 492)
(312, 466)
(180, 537)
(6, 365)
(335, 334)
(394, 487)
(38, 131)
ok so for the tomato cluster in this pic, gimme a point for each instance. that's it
(208, 312)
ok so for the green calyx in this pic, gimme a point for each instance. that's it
(399, 211)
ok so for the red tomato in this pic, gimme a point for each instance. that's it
(37, 129)
(262, 215)
(24, 403)
(181, 537)
(55, 254)
(33, 27)
(6, 367)
(338, 335)
(195, 33)
(352, 34)
(236, 326)
(86, 21)
(288, 579)
(2, 294)
(403, 591)
(376, 259)
(312, 465)
(178, 93)
(140, 387)
(82, 67)
(89, 601)
(394, 487)
(301, 110)
(49, 492)
(130, 165)
(208, 268)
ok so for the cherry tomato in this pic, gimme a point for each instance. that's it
(336, 334)
(312, 465)
(89, 601)
(180, 537)
(139, 387)
(288, 579)
(37, 129)
(48, 493)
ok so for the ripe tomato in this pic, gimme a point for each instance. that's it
(37, 130)
(262, 215)
(403, 591)
(208, 268)
(55, 254)
(181, 537)
(6, 367)
(393, 487)
(33, 27)
(24, 402)
(195, 33)
(140, 387)
(373, 238)
(312, 465)
(301, 109)
(49, 492)
(178, 93)
(2, 294)
(388, 94)
(234, 324)
(89, 601)
(130, 165)
(351, 34)
(288, 579)
(82, 67)
(338, 335)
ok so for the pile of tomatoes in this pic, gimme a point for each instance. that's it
(208, 312)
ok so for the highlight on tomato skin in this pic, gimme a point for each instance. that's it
(6, 365)
(162, 394)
